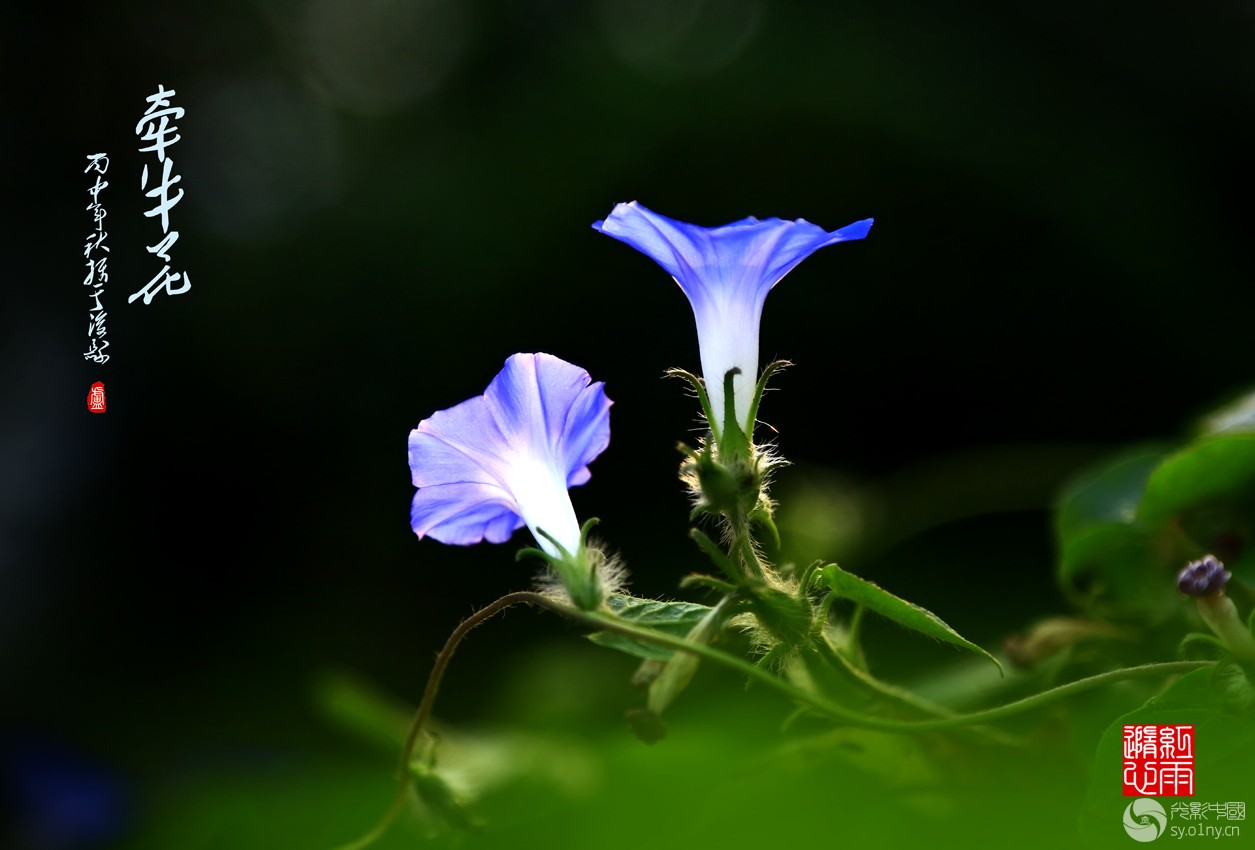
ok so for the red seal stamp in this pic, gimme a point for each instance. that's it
(96, 398)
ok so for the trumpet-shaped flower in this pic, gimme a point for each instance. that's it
(495, 462)
(726, 272)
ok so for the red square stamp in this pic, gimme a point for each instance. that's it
(1159, 761)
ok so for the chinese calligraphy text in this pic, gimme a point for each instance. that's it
(157, 127)
(95, 253)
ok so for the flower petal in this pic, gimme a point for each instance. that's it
(679, 248)
(776, 251)
(747, 257)
(462, 514)
(517, 399)
(462, 443)
(586, 432)
(494, 462)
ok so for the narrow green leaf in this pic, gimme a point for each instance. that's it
(715, 554)
(710, 582)
(905, 614)
(672, 618)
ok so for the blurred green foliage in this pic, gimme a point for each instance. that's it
(1127, 528)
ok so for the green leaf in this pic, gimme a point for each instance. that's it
(906, 614)
(1109, 494)
(1119, 569)
(1109, 562)
(676, 619)
(715, 554)
(1218, 469)
(1206, 492)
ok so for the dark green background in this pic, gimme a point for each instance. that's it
(386, 199)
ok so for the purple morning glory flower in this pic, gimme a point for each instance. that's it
(726, 272)
(487, 466)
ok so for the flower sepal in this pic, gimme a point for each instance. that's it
(719, 489)
(703, 398)
(734, 441)
(769, 371)
(722, 474)
(728, 474)
(579, 571)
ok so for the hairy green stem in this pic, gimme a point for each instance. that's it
(602, 620)
(743, 548)
(428, 702)
(900, 695)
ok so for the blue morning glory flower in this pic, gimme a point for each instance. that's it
(726, 272)
(496, 462)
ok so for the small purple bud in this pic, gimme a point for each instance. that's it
(1204, 577)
